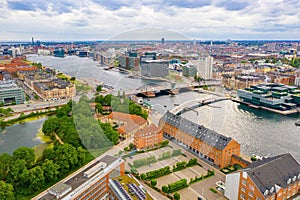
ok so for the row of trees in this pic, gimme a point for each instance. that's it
(172, 187)
(156, 173)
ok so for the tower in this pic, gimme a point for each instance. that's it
(32, 40)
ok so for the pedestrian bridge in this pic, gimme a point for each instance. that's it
(192, 104)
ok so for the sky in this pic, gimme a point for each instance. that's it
(72, 20)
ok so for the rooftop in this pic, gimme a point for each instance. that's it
(128, 185)
(78, 179)
(198, 131)
(270, 174)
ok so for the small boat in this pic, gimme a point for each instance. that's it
(257, 117)
(108, 68)
(297, 123)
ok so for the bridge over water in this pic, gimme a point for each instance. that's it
(149, 90)
(195, 103)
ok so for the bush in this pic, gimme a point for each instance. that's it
(192, 162)
(165, 155)
(213, 190)
(158, 173)
(176, 152)
(176, 196)
(144, 161)
(164, 143)
(153, 182)
(165, 189)
(143, 176)
(178, 185)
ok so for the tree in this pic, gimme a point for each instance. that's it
(36, 178)
(153, 182)
(50, 125)
(18, 174)
(143, 176)
(6, 191)
(26, 154)
(131, 145)
(50, 169)
(66, 157)
(99, 88)
(176, 196)
(5, 163)
(165, 189)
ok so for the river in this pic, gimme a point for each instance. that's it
(18, 135)
(259, 132)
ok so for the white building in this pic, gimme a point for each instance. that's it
(204, 66)
(297, 81)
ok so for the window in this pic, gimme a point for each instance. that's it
(244, 182)
(243, 189)
(251, 194)
(257, 198)
(251, 187)
(242, 196)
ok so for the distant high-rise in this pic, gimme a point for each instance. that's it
(32, 40)
(204, 66)
(163, 40)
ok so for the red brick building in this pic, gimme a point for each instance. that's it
(217, 149)
(274, 178)
(147, 137)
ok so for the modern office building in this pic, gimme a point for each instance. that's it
(273, 178)
(128, 188)
(215, 148)
(88, 183)
(155, 68)
(148, 137)
(10, 93)
(59, 53)
(204, 66)
(274, 95)
(128, 62)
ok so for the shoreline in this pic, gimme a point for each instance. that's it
(286, 112)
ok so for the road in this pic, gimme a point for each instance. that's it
(38, 105)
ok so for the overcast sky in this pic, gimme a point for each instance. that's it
(105, 19)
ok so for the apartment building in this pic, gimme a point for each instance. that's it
(128, 124)
(147, 137)
(217, 149)
(273, 178)
(54, 89)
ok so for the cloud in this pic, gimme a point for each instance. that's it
(233, 5)
(20, 5)
(100, 19)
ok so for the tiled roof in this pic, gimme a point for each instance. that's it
(131, 122)
(152, 128)
(272, 173)
(126, 117)
(198, 131)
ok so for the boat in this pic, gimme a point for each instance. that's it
(108, 68)
(297, 123)
(257, 117)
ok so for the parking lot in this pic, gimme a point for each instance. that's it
(195, 190)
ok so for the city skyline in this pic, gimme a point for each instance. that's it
(101, 20)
